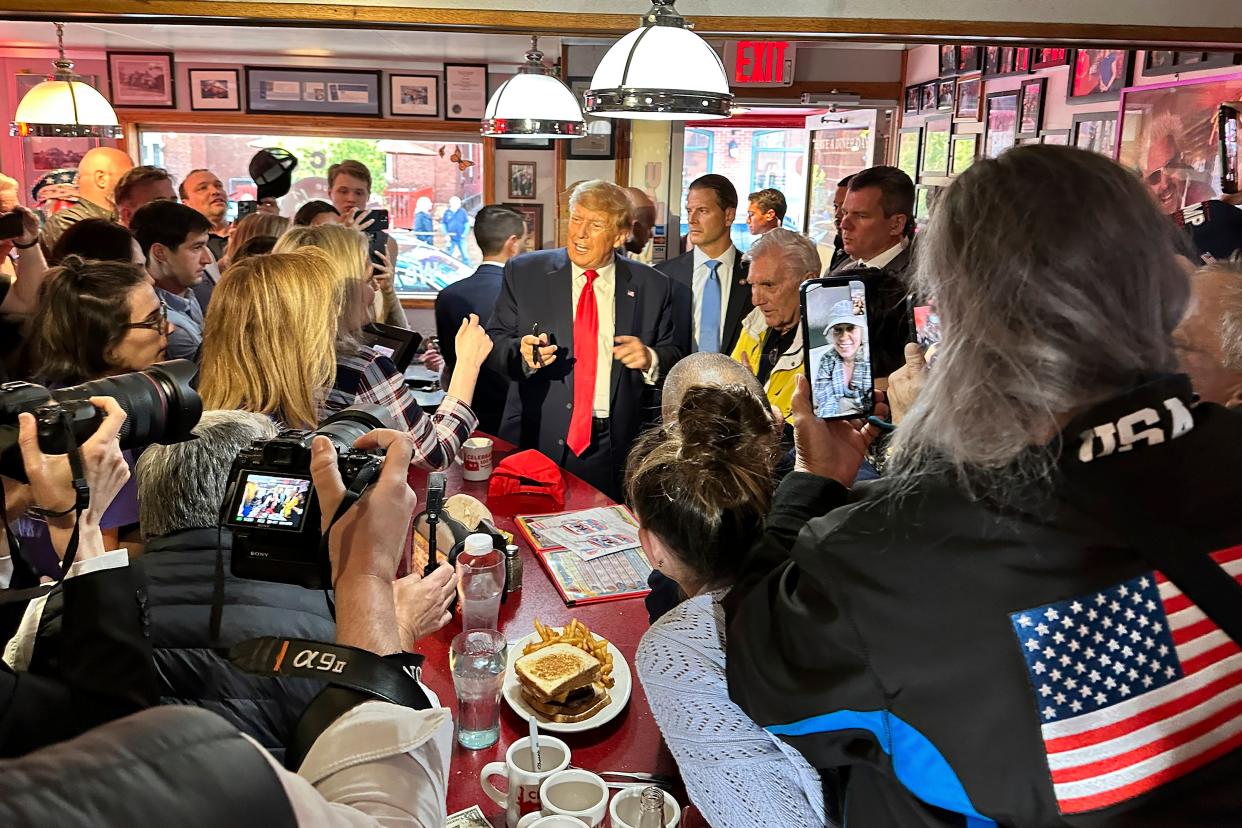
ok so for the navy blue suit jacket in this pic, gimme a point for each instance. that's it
(474, 294)
(538, 287)
(681, 272)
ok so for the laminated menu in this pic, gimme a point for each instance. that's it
(591, 555)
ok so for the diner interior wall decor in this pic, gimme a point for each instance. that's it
(923, 65)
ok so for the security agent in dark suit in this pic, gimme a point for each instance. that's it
(501, 234)
(709, 280)
(582, 359)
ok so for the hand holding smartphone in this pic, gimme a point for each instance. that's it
(836, 353)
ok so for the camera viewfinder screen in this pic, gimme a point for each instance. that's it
(839, 356)
(270, 501)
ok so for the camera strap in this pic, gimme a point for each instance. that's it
(391, 678)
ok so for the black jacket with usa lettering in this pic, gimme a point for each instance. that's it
(967, 662)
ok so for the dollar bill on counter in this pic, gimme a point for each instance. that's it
(472, 817)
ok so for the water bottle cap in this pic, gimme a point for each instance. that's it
(478, 542)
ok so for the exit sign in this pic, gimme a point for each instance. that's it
(760, 62)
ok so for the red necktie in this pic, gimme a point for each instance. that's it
(586, 352)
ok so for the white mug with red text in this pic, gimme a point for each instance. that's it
(522, 796)
(476, 458)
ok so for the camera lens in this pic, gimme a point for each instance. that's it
(161, 403)
(346, 426)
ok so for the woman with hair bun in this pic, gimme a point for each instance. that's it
(702, 489)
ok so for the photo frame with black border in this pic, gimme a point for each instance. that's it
(962, 146)
(1081, 118)
(523, 142)
(967, 59)
(968, 103)
(399, 90)
(946, 90)
(205, 90)
(928, 96)
(993, 138)
(461, 104)
(1035, 100)
(912, 102)
(948, 60)
(1055, 137)
(294, 90)
(533, 214)
(935, 142)
(1205, 60)
(1050, 58)
(1126, 74)
(130, 98)
(910, 151)
(522, 191)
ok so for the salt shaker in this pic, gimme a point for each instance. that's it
(513, 569)
(651, 808)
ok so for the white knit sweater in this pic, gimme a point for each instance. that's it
(735, 772)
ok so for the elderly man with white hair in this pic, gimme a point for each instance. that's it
(770, 343)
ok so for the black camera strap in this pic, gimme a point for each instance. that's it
(391, 678)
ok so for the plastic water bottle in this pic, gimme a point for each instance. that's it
(482, 581)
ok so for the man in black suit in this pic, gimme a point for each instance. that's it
(501, 234)
(710, 280)
(583, 333)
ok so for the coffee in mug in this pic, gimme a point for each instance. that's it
(522, 795)
(576, 793)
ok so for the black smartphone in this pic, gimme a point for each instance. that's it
(924, 326)
(836, 354)
(378, 219)
(245, 208)
(12, 225)
(1228, 128)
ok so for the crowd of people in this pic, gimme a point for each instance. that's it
(983, 604)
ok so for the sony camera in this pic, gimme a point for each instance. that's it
(270, 503)
(161, 404)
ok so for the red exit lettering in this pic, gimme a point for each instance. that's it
(760, 61)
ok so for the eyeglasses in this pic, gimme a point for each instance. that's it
(154, 322)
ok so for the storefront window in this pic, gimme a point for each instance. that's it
(403, 172)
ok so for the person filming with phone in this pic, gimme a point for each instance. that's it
(349, 187)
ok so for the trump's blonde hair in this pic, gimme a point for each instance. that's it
(268, 339)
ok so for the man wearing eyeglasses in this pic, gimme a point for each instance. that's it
(1166, 173)
(174, 239)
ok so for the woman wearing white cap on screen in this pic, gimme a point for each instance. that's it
(844, 374)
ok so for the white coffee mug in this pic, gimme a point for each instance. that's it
(576, 793)
(554, 821)
(522, 796)
(623, 811)
(476, 458)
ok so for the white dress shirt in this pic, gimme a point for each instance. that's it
(884, 258)
(699, 279)
(605, 286)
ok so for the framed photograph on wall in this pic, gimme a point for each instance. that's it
(1030, 108)
(968, 106)
(1095, 131)
(912, 100)
(142, 79)
(465, 91)
(944, 94)
(929, 96)
(967, 59)
(601, 139)
(1001, 123)
(215, 89)
(1099, 74)
(523, 176)
(1050, 58)
(1193, 61)
(964, 150)
(1022, 60)
(1055, 137)
(295, 91)
(991, 61)
(533, 214)
(909, 151)
(1159, 62)
(936, 148)
(414, 96)
(948, 60)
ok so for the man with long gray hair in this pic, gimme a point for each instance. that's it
(1032, 619)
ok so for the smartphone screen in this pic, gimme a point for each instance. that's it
(835, 346)
(245, 208)
(378, 219)
(1229, 149)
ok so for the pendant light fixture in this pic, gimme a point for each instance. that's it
(533, 103)
(660, 72)
(64, 105)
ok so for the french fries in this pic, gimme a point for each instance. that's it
(576, 634)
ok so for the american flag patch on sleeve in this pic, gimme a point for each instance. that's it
(1134, 685)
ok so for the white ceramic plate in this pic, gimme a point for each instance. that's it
(618, 694)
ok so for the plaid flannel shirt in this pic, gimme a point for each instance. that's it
(830, 381)
(369, 377)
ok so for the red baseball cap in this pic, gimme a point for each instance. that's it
(526, 483)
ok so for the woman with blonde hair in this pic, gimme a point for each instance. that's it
(363, 375)
(255, 224)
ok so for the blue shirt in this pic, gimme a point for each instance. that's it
(187, 315)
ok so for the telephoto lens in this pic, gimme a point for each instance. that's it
(160, 401)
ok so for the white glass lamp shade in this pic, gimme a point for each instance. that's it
(663, 73)
(534, 105)
(65, 108)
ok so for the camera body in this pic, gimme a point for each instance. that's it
(270, 502)
(161, 404)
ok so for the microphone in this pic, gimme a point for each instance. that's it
(436, 484)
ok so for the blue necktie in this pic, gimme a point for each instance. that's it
(709, 311)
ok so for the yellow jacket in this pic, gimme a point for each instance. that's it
(749, 350)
